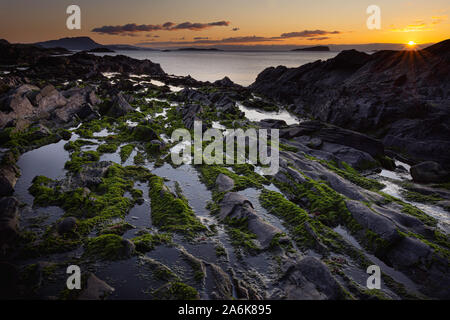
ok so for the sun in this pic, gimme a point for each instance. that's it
(411, 43)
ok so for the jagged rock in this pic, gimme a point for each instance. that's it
(223, 287)
(224, 183)
(9, 220)
(119, 107)
(372, 93)
(190, 113)
(225, 82)
(96, 289)
(8, 179)
(429, 172)
(188, 94)
(17, 105)
(237, 206)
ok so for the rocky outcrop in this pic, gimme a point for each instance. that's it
(119, 107)
(309, 279)
(224, 183)
(27, 104)
(429, 172)
(398, 96)
(96, 289)
(9, 174)
(236, 206)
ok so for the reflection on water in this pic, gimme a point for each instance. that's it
(46, 161)
(241, 67)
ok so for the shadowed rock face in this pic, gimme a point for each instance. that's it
(402, 97)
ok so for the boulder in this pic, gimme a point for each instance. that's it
(373, 221)
(310, 279)
(8, 179)
(237, 206)
(119, 107)
(224, 183)
(67, 225)
(96, 289)
(429, 172)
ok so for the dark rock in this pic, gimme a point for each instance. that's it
(119, 107)
(224, 183)
(372, 94)
(336, 135)
(96, 289)
(310, 279)
(8, 179)
(273, 123)
(10, 280)
(68, 225)
(225, 82)
(9, 220)
(429, 172)
(237, 206)
(223, 288)
(373, 221)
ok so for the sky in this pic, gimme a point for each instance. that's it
(166, 23)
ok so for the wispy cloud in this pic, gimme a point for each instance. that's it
(132, 28)
(318, 38)
(439, 19)
(311, 35)
(420, 25)
(308, 33)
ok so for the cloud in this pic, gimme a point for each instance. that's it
(308, 34)
(318, 38)
(417, 26)
(316, 35)
(231, 40)
(439, 19)
(235, 29)
(132, 28)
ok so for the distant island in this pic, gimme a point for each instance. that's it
(85, 44)
(316, 48)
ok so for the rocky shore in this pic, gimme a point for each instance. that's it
(86, 179)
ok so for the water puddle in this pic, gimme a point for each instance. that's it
(257, 115)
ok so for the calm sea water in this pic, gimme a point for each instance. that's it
(240, 67)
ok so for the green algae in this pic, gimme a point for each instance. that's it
(172, 213)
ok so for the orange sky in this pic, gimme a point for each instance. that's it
(401, 21)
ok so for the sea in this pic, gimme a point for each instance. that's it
(240, 66)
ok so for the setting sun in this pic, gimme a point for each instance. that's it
(411, 43)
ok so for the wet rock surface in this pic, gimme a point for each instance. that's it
(117, 205)
(372, 94)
